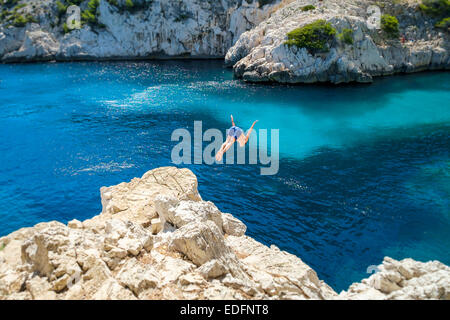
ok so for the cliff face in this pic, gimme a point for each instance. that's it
(158, 28)
(251, 33)
(157, 239)
(401, 280)
(262, 55)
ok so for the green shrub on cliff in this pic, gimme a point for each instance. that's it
(129, 4)
(443, 24)
(66, 28)
(346, 35)
(93, 5)
(308, 7)
(438, 9)
(389, 24)
(435, 8)
(61, 8)
(3, 15)
(90, 14)
(19, 6)
(19, 21)
(30, 18)
(315, 37)
(88, 17)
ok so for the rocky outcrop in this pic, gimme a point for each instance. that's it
(198, 252)
(251, 34)
(262, 55)
(406, 279)
(151, 29)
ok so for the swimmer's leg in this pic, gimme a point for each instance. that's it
(225, 146)
(222, 148)
(243, 139)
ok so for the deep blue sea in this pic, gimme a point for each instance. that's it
(364, 169)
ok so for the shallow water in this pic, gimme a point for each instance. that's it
(364, 169)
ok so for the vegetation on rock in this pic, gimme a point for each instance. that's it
(438, 9)
(435, 8)
(346, 36)
(315, 37)
(89, 16)
(61, 8)
(308, 7)
(21, 21)
(390, 25)
(14, 17)
(129, 4)
(444, 24)
(66, 28)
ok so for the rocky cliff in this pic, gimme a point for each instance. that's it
(355, 52)
(251, 34)
(157, 239)
(401, 280)
(34, 30)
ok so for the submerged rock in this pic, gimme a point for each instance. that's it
(197, 252)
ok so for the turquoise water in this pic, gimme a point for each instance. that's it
(364, 169)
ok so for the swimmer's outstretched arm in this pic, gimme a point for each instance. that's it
(232, 121)
(250, 131)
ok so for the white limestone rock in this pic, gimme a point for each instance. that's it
(157, 225)
(37, 45)
(200, 242)
(403, 280)
(204, 255)
(261, 55)
(75, 224)
(180, 213)
(188, 28)
(137, 278)
(40, 289)
(279, 273)
(112, 290)
(134, 201)
(233, 226)
(212, 269)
